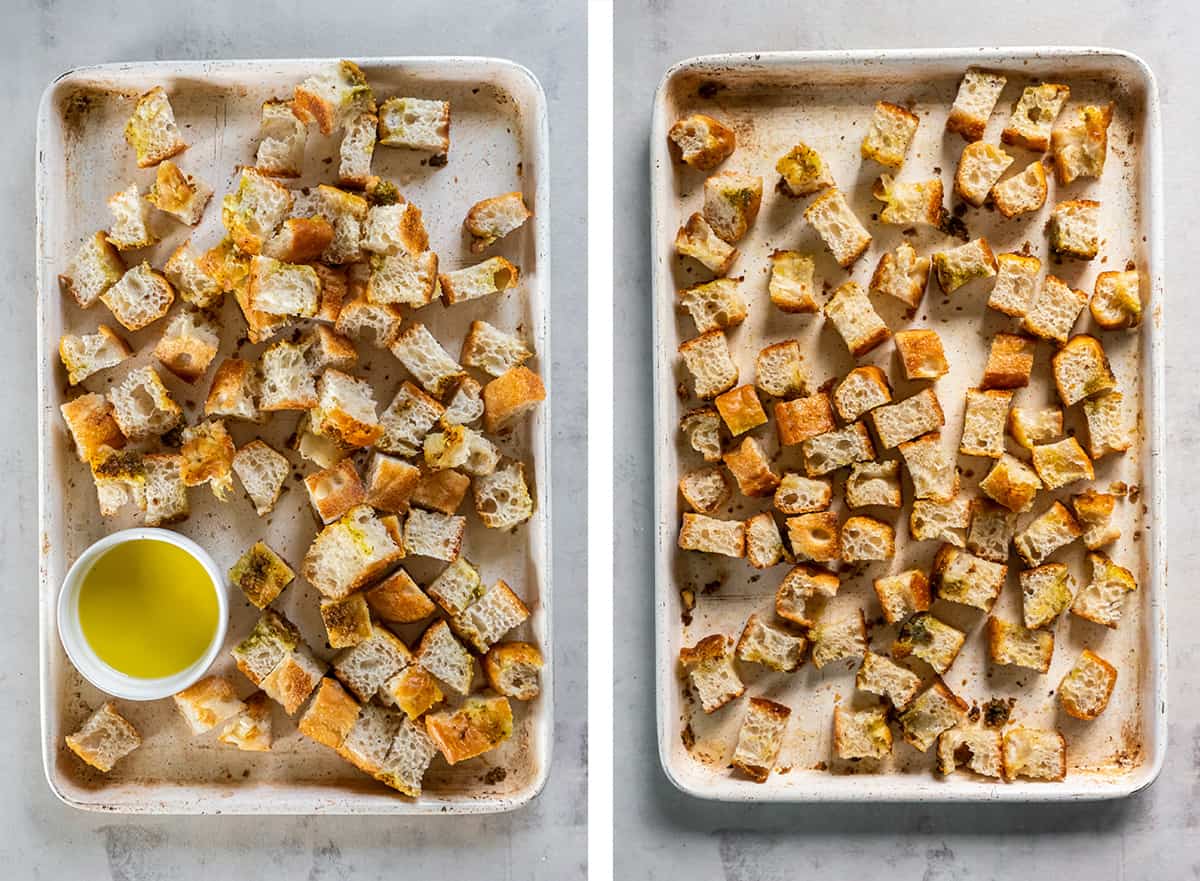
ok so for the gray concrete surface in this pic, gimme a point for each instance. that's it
(662, 834)
(39, 838)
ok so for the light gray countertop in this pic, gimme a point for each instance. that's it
(43, 839)
(662, 834)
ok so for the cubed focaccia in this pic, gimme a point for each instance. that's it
(992, 530)
(930, 639)
(714, 305)
(456, 587)
(302, 240)
(979, 169)
(909, 203)
(398, 598)
(731, 203)
(1081, 370)
(977, 749)
(208, 702)
(1074, 228)
(779, 370)
(706, 489)
(931, 467)
(698, 240)
(764, 545)
(487, 620)
(481, 280)
(142, 406)
(397, 228)
(861, 734)
(960, 577)
(512, 669)
(957, 266)
(1053, 310)
(741, 409)
(841, 231)
(890, 132)
(261, 574)
(1015, 285)
(86, 354)
(702, 429)
(1030, 427)
(862, 389)
(873, 483)
(901, 274)
(479, 725)
(207, 457)
(791, 284)
(130, 228)
(1116, 300)
(1022, 193)
(1081, 143)
(977, 95)
(802, 172)
(165, 493)
(797, 494)
(425, 358)
(1009, 363)
(105, 738)
(151, 130)
(815, 536)
(1054, 528)
(346, 213)
(1106, 425)
(253, 212)
(837, 449)
(701, 141)
(1061, 463)
(287, 380)
(708, 666)
(460, 447)
(902, 595)
(282, 138)
(1035, 753)
(140, 297)
(855, 319)
(1101, 600)
(769, 646)
(345, 411)
(921, 354)
(335, 490)
(712, 536)
(708, 360)
(760, 738)
(188, 345)
(865, 538)
(799, 586)
(272, 639)
(465, 404)
(1012, 483)
(1012, 643)
(434, 534)
(445, 490)
(908, 419)
(251, 729)
(799, 419)
(332, 94)
(294, 678)
(1085, 690)
(752, 469)
(347, 621)
(415, 124)
(405, 279)
(1045, 594)
(442, 655)
(356, 149)
(510, 396)
(331, 715)
(180, 195)
(884, 677)
(120, 479)
(96, 267)
(835, 639)
(984, 420)
(1094, 511)
(1034, 114)
(937, 709)
(350, 553)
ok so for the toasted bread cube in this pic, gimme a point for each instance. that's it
(839, 638)
(731, 203)
(444, 491)
(445, 657)
(705, 490)
(862, 390)
(331, 715)
(960, 577)
(1033, 116)
(921, 354)
(335, 490)
(178, 194)
(120, 478)
(889, 135)
(398, 228)
(1074, 228)
(1012, 483)
(480, 725)
(760, 738)
(1045, 594)
(1094, 512)
(836, 449)
(702, 428)
(346, 213)
(512, 669)
(278, 288)
(165, 494)
(262, 471)
(152, 131)
(407, 421)
(764, 546)
(752, 469)
(800, 585)
(1081, 370)
(350, 553)
(188, 345)
(502, 498)
(1031, 427)
(841, 231)
(802, 418)
(1034, 753)
(1085, 690)
(901, 274)
(902, 595)
(984, 420)
(992, 531)
(797, 494)
(884, 677)
(815, 536)
(696, 239)
(1016, 284)
(95, 268)
(976, 749)
(931, 467)
(208, 453)
(741, 409)
(325, 347)
(791, 284)
(413, 690)
(456, 587)
(492, 219)
(423, 357)
(488, 619)
(1022, 193)
(909, 203)
(481, 280)
(140, 298)
(271, 640)
(930, 639)
(957, 266)
(974, 102)
(347, 621)
(908, 419)
(1101, 600)
(1010, 362)
(1106, 425)
(250, 730)
(142, 406)
(492, 350)
(712, 536)
(979, 169)
(1054, 528)
(709, 668)
(415, 124)
(1011, 643)
(707, 359)
(345, 411)
(936, 710)
(861, 734)
(105, 738)
(287, 381)
(398, 598)
(465, 404)
(1116, 302)
(282, 137)
(86, 354)
(701, 141)
(433, 534)
(369, 742)
(261, 574)
(855, 319)
(778, 370)
(865, 538)
(772, 647)
(356, 150)
(873, 483)
(255, 210)
(461, 447)
(1061, 463)
(1080, 144)
(209, 701)
(130, 229)
(333, 95)
(802, 172)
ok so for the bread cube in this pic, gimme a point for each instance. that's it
(841, 231)
(1054, 528)
(502, 498)
(957, 266)
(331, 715)
(347, 621)
(865, 538)
(696, 239)
(457, 587)
(1116, 302)
(462, 285)
(408, 279)
(873, 483)
(802, 418)
(273, 638)
(863, 389)
(1093, 511)
(797, 494)
(250, 730)
(772, 647)
(931, 640)
(345, 410)
(1022, 193)
(480, 725)
(188, 345)
(338, 91)
(1016, 284)
(976, 749)
(714, 305)
(1034, 753)
(908, 419)
(178, 194)
(861, 734)
(1101, 600)
(461, 447)
(701, 141)
(86, 354)
(352, 552)
(709, 668)
(855, 319)
(1033, 116)
(512, 669)
(262, 471)
(712, 536)
(165, 494)
(901, 274)
(492, 219)
(921, 354)
(226, 266)
(1080, 143)
(423, 357)
(96, 267)
(836, 449)
(741, 409)
(815, 536)
(465, 405)
(105, 738)
(346, 213)
(802, 172)
(764, 546)
(414, 691)
(1081, 370)
(253, 212)
(398, 598)
(335, 490)
(1062, 463)
(282, 137)
(444, 491)
(490, 617)
(1074, 228)
(705, 490)
(433, 534)
(760, 738)
(140, 298)
(973, 104)
(902, 595)
(984, 420)
(731, 203)
(936, 710)
(1085, 690)
(909, 203)
(415, 124)
(752, 469)
(209, 701)
(931, 467)
(800, 585)
(407, 421)
(398, 228)
(261, 574)
(889, 135)
(1011, 643)
(884, 677)
(960, 577)
(979, 169)
(1030, 427)
(702, 428)
(778, 370)
(992, 530)
(152, 131)
(446, 658)
(356, 149)
(287, 383)
(838, 638)
(208, 452)
(1010, 362)
(708, 361)
(120, 478)
(142, 406)
(1045, 594)
(1106, 425)
(1012, 483)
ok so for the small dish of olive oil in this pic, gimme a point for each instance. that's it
(142, 613)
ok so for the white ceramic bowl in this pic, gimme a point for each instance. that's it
(85, 659)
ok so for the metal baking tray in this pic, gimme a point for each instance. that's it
(499, 143)
(773, 100)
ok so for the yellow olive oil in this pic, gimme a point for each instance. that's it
(147, 608)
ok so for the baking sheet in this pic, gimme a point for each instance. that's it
(772, 101)
(499, 143)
